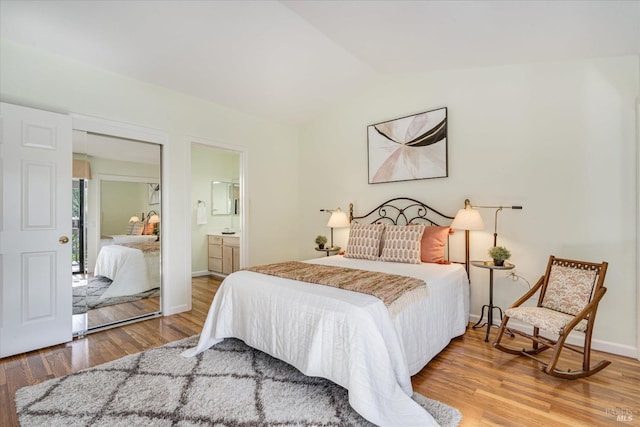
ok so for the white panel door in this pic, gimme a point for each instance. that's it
(35, 229)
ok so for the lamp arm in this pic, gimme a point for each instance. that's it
(495, 228)
(498, 209)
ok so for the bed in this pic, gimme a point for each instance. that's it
(348, 337)
(132, 267)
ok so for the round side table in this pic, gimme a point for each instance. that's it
(329, 251)
(489, 265)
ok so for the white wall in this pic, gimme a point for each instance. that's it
(119, 201)
(32, 78)
(557, 138)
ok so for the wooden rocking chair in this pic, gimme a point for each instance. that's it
(569, 295)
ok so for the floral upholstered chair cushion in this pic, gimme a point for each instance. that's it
(544, 318)
(569, 289)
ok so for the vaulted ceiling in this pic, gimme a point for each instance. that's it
(288, 61)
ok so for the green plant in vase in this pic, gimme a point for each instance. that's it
(499, 254)
(321, 241)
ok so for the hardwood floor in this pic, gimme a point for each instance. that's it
(101, 316)
(489, 387)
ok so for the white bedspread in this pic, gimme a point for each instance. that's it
(128, 268)
(345, 336)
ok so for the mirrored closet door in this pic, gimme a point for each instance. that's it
(116, 231)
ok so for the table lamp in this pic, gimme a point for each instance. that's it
(467, 219)
(338, 219)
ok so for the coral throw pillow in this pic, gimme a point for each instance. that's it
(402, 243)
(364, 241)
(148, 228)
(434, 239)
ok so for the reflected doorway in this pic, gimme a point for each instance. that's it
(78, 238)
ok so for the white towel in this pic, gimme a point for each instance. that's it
(201, 215)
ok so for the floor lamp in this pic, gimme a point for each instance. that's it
(495, 221)
(469, 219)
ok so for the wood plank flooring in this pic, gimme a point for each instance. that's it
(101, 316)
(489, 387)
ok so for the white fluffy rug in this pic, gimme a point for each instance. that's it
(87, 297)
(230, 384)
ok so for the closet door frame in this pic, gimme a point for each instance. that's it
(638, 230)
(155, 136)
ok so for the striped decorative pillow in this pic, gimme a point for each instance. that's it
(135, 228)
(364, 241)
(402, 243)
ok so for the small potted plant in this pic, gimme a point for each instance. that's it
(499, 255)
(321, 241)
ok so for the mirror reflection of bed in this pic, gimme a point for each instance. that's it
(117, 247)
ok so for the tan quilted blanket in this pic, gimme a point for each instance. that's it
(395, 291)
(145, 247)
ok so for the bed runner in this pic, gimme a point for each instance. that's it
(145, 247)
(396, 291)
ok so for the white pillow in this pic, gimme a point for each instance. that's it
(402, 243)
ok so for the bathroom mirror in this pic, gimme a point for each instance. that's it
(225, 198)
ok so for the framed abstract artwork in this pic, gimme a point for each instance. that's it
(408, 148)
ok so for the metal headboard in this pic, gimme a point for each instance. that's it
(402, 211)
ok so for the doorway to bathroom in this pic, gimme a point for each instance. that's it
(218, 206)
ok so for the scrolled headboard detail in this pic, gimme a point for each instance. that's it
(403, 211)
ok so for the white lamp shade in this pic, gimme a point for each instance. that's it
(154, 219)
(134, 219)
(468, 219)
(338, 219)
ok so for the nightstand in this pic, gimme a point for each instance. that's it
(329, 251)
(489, 265)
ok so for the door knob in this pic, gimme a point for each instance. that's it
(63, 240)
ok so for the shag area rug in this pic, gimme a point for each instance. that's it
(88, 296)
(230, 384)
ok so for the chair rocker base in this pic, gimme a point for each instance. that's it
(546, 344)
(523, 351)
(572, 375)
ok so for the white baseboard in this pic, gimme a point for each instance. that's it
(176, 309)
(575, 339)
(207, 273)
(200, 273)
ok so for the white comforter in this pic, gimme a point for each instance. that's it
(345, 336)
(129, 269)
